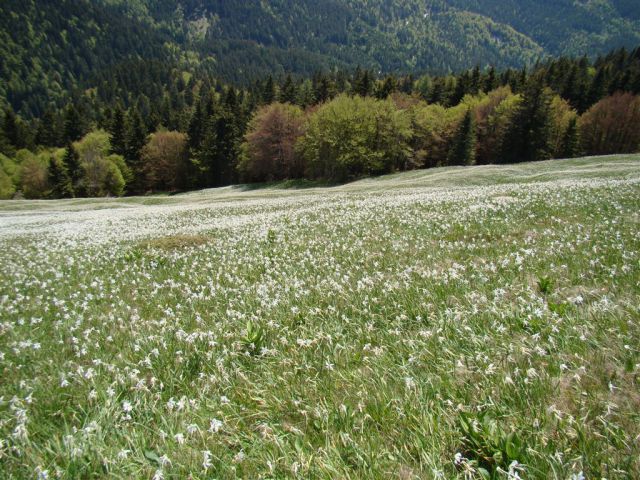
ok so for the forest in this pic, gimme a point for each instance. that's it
(149, 128)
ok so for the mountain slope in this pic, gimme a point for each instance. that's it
(49, 48)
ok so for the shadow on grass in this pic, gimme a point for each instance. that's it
(299, 184)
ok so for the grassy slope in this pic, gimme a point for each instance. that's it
(346, 332)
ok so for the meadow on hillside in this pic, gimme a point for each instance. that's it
(478, 322)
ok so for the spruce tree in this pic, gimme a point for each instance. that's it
(528, 137)
(59, 180)
(490, 82)
(268, 91)
(136, 138)
(598, 88)
(362, 82)
(305, 94)
(10, 128)
(463, 85)
(386, 88)
(571, 140)
(322, 89)
(117, 134)
(73, 129)
(463, 148)
(71, 162)
(47, 134)
(288, 91)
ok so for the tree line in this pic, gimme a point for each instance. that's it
(198, 132)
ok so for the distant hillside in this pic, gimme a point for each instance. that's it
(50, 47)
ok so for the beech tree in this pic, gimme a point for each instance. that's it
(269, 150)
(611, 125)
(164, 160)
(353, 136)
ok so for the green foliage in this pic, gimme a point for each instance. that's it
(254, 338)
(487, 443)
(354, 136)
(7, 189)
(545, 285)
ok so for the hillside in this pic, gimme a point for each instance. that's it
(456, 323)
(50, 48)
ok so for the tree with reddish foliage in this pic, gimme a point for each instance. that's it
(164, 160)
(269, 152)
(611, 125)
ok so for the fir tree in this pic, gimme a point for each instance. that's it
(463, 148)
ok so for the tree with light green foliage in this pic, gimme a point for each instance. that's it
(7, 187)
(349, 137)
(102, 172)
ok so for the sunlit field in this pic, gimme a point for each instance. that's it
(477, 322)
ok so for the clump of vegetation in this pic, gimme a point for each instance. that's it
(489, 447)
(545, 285)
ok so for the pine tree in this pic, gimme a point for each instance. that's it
(59, 180)
(117, 132)
(463, 148)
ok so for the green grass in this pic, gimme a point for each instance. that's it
(431, 324)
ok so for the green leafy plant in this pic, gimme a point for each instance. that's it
(253, 341)
(488, 444)
(545, 285)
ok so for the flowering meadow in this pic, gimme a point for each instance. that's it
(477, 322)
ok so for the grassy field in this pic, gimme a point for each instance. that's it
(463, 323)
